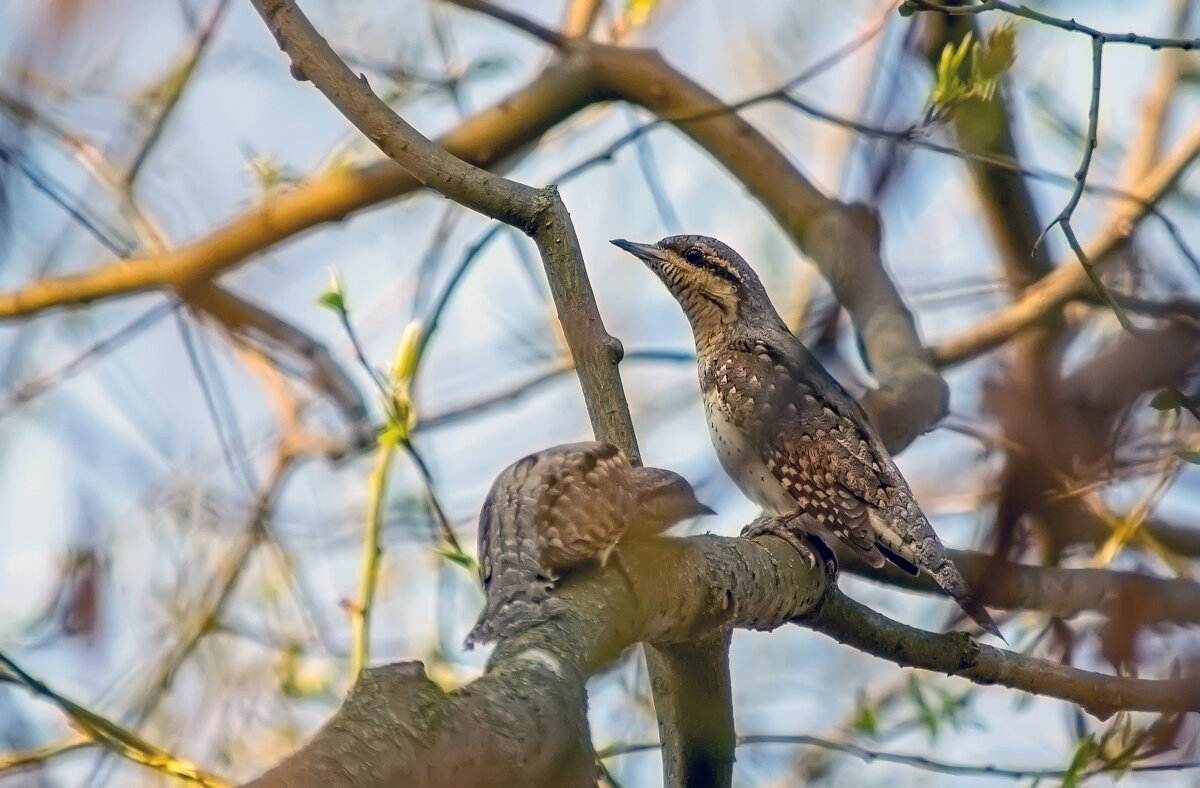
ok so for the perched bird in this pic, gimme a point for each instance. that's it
(558, 508)
(790, 436)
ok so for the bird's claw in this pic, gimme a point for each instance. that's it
(813, 549)
(779, 527)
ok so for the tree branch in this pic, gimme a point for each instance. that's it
(1047, 295)
(1052, 590)
(523, 722)
(957, 654)
(397, 728)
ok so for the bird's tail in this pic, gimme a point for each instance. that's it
(511, 607)
(948, 577)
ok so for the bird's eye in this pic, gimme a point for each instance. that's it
(693, 255)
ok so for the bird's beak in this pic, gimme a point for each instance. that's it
(702, 510)
(649, 254)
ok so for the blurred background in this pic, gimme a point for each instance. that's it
(184, 465)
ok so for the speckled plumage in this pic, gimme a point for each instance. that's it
(784, 429)
(564, 506)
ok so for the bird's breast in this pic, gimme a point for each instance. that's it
(743, 462)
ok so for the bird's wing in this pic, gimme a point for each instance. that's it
(585, 504)
(814, 440)
(486, 535)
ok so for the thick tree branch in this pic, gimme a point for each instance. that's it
(396, 728)
(522, 722)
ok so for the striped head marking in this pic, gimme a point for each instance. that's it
(712, 283)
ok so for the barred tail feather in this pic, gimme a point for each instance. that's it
(948, 577)
(509, 616)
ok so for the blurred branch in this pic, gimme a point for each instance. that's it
(486, 139)
(1053, 590)
(1047, 295)
(523, 23)
(33, 387)
(96, 162)
(1145, 145)
(207, 615)
(19, 761)
(108, 734)
(869, 755)
(518, 390)
(580, 16)
(57, 193)
(290, 349)
(175, 86)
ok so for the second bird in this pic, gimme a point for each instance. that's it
(790, 436)
(558, 508)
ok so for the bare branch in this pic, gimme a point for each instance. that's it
(667, 591)
(956, 654)
(1048, 294)
(1025, 12)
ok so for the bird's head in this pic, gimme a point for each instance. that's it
(712, 283)
(664, 499)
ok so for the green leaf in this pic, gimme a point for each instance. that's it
(1192, 456)
(334, 296)
(1079, 759)
(926, 716)
(1169, 398)
(907, 8)
(456, 557)
(866, 720)
(332, 300)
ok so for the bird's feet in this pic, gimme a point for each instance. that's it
(785, 528)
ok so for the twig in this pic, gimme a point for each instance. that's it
(108, 238)
(97, 165)
(430, 323)
(34, 387)
(1066, 282)
(916, 761)
(112, 736)
(1025, 12)
(16, 761)
(538, 31)
(445, 529)
(1064, 216)
(232, 446)
(856, 625)
(208, 615)
(177, 83)
(360, 611)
